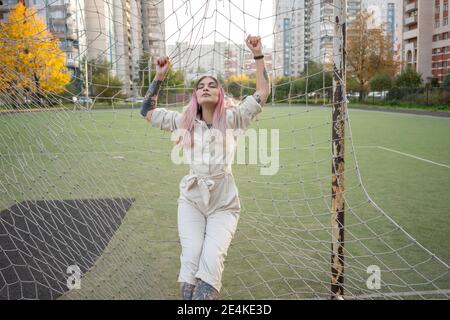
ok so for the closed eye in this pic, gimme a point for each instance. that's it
(212, 85)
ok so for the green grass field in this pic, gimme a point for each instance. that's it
(282, 245)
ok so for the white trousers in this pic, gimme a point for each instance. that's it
(206, 231)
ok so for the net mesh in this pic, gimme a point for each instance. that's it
(86, 182)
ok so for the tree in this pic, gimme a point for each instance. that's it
(174, 79)
(352, 84)
(446, 81)
(105, 85)
(369, 51)
(409, 78)
(283, 88)
(380, 82)
(240, 85)
(31, 61)
(316, 77)
(434, 82)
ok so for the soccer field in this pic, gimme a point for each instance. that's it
(282, 246)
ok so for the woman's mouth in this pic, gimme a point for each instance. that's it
(206, 95)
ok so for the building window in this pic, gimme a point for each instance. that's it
(445, 22)
(436, 24)
(445, 36)
(409, 56)
(437, 8)
(446, 6)
(444, 64)
(57, 14)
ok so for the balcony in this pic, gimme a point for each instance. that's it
(56, 21)
(71, 63)
(6, 8)
(69, 34)
(410, 20)
(411, 7)
(410, 34)
(57, 6)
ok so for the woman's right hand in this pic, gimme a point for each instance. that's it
(162, 65)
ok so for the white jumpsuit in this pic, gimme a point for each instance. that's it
(208, 205)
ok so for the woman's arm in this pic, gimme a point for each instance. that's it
(151, 97)
(262, 79)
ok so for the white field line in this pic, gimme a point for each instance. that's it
(414, 157)
(400, 294)
(148, 151)
(398, 113)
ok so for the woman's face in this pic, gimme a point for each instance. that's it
(207, 92)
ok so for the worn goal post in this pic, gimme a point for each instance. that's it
(339, 108)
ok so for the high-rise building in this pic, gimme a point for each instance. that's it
(390, 23)
(440, 48)
(61, 19)
(202, 58)
(118, 31)
(304, 31)
(221, 59)
(425, 37)
(383, 15)
(353, 9)
(153, 27)
(289, 37)
(113, 32)
(322, 35)
(324, 40)
(122, 32)
(5, 7)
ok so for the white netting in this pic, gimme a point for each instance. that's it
(89, 183)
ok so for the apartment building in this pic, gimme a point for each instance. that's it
(440, 52)
(304, 31)
(426, 32)
(119, 31)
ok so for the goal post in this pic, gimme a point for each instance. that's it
(338, 145)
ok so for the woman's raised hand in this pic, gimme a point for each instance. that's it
(254, 44)
(162, 65)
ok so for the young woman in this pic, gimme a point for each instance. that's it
(209, 205)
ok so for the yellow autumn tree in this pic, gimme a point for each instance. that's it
(30, 60)
(238, 78)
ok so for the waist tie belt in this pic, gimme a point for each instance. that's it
(204, 182)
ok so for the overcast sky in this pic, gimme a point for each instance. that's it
(190, 21)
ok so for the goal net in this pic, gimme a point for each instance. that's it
(88, 191)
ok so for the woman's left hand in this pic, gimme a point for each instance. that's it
(254, 44)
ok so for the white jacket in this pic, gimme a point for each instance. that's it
(210, 156)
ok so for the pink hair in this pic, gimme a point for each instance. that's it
(191, 110)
